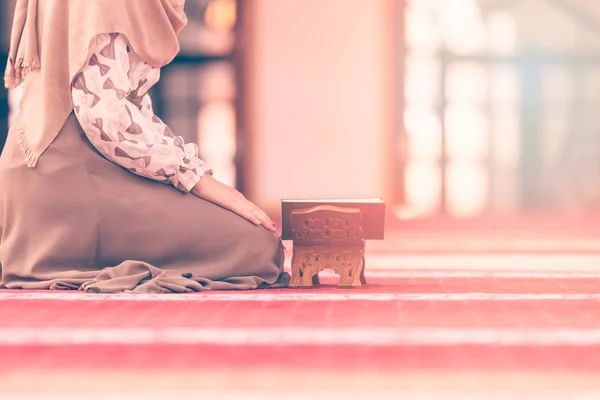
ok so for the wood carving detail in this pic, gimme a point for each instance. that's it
(327, 237)
(327, 225)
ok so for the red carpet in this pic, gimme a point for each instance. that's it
(495, 314)
(453, 314)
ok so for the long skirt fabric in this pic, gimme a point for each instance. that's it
(77, 221)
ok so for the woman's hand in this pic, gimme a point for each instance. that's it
(222, 195)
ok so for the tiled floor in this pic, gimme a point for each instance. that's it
(501, 325)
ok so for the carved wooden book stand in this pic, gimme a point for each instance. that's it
(327, 237)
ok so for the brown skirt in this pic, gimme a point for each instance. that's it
(78, 221)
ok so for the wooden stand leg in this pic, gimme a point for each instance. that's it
(302, 275)
(363, 280)
(352, 275)
(315, 280)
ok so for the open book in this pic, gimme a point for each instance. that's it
(373, 212)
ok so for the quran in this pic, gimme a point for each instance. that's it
(331, 234)
(372, 210)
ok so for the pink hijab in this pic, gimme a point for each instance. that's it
(50, 42)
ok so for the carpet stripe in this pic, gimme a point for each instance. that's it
(300, 336)
(295, 296)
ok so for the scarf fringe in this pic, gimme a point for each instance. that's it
(30, 157)
(16, 72)
(14, 77)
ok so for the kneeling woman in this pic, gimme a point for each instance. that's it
(96, 192)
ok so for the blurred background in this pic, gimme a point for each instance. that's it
(460, 108)
(460, 114)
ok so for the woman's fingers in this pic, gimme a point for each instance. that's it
(267, 223)
(214, 191)
(268, 219)
(247, 214)
(263, 217)
(261, 214)
(258, 216)
(237, 203)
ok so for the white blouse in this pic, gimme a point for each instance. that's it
(110, 96)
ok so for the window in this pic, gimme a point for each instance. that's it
(461, 112)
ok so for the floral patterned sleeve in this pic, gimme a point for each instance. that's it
(112, 105)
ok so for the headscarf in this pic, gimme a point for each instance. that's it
(50, 42)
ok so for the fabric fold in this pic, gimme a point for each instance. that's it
(151, 27)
